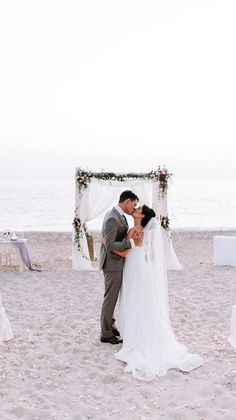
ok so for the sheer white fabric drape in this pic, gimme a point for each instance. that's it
(99, 196)
(159, 205)
(232, 337)
(5, 327)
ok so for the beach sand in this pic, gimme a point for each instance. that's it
(56, 368)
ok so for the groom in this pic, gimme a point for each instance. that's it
(114, 230)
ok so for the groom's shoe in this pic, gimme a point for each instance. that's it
(111, 340)
(115, 332)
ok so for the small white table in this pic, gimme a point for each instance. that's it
(6, 246)
(225, 250)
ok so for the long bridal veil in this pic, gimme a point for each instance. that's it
(150, 347)
(155, 256)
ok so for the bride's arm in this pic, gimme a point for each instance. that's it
(122, 253)
(125, 252)
(132, 233)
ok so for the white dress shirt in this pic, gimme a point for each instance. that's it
(121, 212)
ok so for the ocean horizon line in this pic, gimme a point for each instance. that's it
(97, 231)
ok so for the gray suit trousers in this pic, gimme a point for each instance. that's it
(113, 280)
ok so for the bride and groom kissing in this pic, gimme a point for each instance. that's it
(134, 266)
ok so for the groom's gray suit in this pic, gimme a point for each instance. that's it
(114, 230)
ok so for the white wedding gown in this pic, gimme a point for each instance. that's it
(5, 328)
(150, 347)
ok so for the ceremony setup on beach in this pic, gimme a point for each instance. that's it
(54, 366)
(117, 210)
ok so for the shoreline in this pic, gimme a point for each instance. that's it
(97, 232)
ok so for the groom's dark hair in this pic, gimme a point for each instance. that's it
(148, 214)
(125, 195)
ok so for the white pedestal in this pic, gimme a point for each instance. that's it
(232, 337)
(225, 250)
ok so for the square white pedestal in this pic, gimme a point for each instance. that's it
(225, 250)
(232, 337)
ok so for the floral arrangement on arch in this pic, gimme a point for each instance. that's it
(80, 230)
(161, 175)
(83, 178)
(165, 222)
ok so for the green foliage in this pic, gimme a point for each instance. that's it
(162, 176)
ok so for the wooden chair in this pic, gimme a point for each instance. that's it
(91, 247)
(5, 258)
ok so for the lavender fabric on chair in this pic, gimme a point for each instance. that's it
(25, 255)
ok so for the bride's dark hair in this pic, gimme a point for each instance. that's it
(148, 214)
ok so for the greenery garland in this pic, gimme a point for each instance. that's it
(165, 222)
(162, 176)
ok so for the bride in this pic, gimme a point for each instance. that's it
(150, 347)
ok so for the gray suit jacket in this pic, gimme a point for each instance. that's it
(114, 230)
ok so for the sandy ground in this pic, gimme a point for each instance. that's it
(56, 368)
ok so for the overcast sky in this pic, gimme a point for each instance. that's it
(155, 79)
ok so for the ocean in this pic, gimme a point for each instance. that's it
(48, 204)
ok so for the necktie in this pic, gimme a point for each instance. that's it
(124, 219)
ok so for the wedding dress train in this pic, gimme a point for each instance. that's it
(150, 347)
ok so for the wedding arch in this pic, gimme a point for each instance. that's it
(96, 192)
